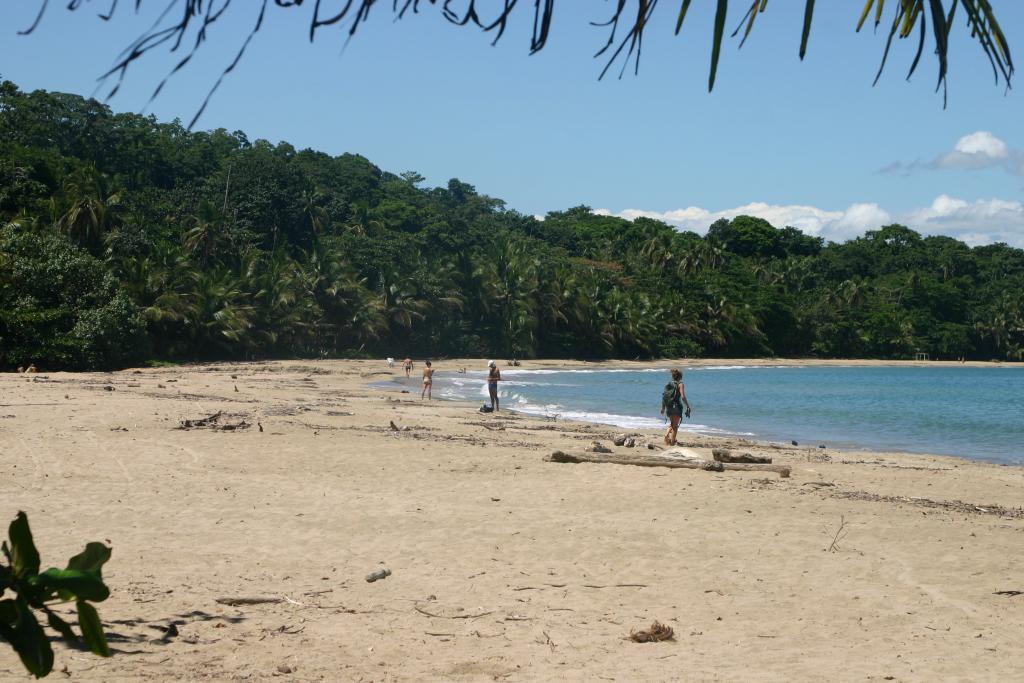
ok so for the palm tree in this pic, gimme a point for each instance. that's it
(6, 276)
(203, 232)
(727, 323)
(439, 284)
(282, 316)
(707, 254)
(350, 315)
(315, 215)
(361, 223)
(659, 252)
(26, 221)
(510, 290)
(1003, 323)
(217, 312)
(90, 207)
(851, 293)
(399, 297)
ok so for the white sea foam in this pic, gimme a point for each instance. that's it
(579, 371)
(711, 431)
(626, 421)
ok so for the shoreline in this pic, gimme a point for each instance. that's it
(504, 566)
(702, 362)
(752, 439)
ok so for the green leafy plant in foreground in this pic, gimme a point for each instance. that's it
(81, 581)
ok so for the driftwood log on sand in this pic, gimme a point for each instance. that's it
(725, 455)
(661, 461)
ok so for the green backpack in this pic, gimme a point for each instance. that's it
(670, 396)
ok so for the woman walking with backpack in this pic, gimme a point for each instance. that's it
(672, 400)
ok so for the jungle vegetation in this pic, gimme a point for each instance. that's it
(123, 239)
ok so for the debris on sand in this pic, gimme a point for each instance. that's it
(655, 634)
(378, 575)
(597, 447)
(208, 421)
(213, 422)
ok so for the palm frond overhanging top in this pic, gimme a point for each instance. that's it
(184, 26)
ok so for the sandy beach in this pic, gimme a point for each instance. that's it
(504, 567)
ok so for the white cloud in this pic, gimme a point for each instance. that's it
(833, 225)
(977, 150)
(975, 222)
(858, 219)
(979, 222)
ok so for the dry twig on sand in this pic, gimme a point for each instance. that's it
(450, 616)
(840, 535)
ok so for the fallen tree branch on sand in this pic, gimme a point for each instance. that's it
(250, 600)
(657, 461)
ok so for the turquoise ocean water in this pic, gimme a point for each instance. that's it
(975, 413)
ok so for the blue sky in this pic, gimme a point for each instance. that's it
(809, 144)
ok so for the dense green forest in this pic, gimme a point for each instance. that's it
(125, 240)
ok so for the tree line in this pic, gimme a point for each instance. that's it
(123, 239)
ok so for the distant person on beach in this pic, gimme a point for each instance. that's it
(672, 400)
(428, 380)
(31, 369)
(493, 377)
(407, 364)
(391, 362)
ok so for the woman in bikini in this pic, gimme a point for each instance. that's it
(493, 377)
(428, 380)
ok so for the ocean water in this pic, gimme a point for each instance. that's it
(975, 413)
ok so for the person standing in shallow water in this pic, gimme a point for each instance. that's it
(428, 380)
(672, 400)
(493, 377)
